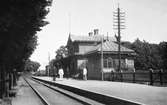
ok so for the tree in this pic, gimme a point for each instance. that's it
(31, 65)
(61, 52)
(140, 61)
(19, 22)
(163, 50)
(148, 55)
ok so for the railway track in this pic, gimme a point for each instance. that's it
(52, 95)
(37, 93)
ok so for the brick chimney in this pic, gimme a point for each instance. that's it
(90, 33)
(96, 31)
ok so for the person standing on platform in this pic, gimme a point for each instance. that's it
(61, 73)
(85, 73)
(68, 73)
(54, 73)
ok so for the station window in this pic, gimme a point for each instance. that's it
(105, 63)
(108, 63)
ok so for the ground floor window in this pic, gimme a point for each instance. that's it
(129, 63)
(108, 63)
(105, 63)
(113, 63)
(116, 63)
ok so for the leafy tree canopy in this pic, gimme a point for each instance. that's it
(61, 52)
(31, 65)
(149, 55)
(19, 22)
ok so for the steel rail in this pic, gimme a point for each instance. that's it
(38, 94)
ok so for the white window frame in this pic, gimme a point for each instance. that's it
(107, 61)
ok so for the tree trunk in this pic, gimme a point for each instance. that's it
(1, 82)
(2, 91)
(7, 84)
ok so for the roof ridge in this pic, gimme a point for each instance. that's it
(96, 38)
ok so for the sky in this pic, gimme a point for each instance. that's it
(144, 19)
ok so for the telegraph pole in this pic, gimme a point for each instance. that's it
(119, 20)
(102, 74)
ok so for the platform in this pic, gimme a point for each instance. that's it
(139, 93)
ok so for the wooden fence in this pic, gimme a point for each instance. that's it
(147, 77)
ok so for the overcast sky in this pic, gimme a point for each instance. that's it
(145, 19)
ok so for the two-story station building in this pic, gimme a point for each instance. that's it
(87, 51)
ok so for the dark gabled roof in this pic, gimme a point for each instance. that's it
(108, 46)
(93, 38)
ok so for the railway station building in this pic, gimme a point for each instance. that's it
(86, 51)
